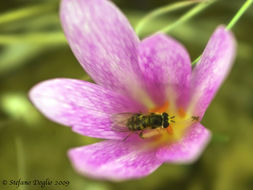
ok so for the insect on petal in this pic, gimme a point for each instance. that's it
(84, 106)
(212, 69)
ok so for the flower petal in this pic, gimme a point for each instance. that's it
(114, 160)
(166, 68)
(87, 107)
(187, 149)
(212, 69)
(103, 41)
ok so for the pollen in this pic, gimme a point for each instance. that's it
(170, 129)
(182, 119)
(161, 109)
(179, 121)
(181, 112)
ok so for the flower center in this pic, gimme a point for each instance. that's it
(179, 120)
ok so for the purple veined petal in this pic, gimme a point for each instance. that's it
(86, 107)
(103, 42)
(115, 160)
(166, 68)
(189, 148)
(212, 69)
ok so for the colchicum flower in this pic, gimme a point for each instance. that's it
(132, 76)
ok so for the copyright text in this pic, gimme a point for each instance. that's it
(35, 182)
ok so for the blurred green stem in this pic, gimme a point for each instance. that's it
(196, 60)
(188, 15)
(233, 21)
(238, 15)
(35, 38)
(25, 12)
(20, 161)
(160, 11)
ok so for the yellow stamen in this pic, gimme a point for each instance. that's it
(175, 131)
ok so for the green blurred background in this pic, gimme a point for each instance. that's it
(33, 49)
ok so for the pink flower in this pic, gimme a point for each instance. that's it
(153, 75)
